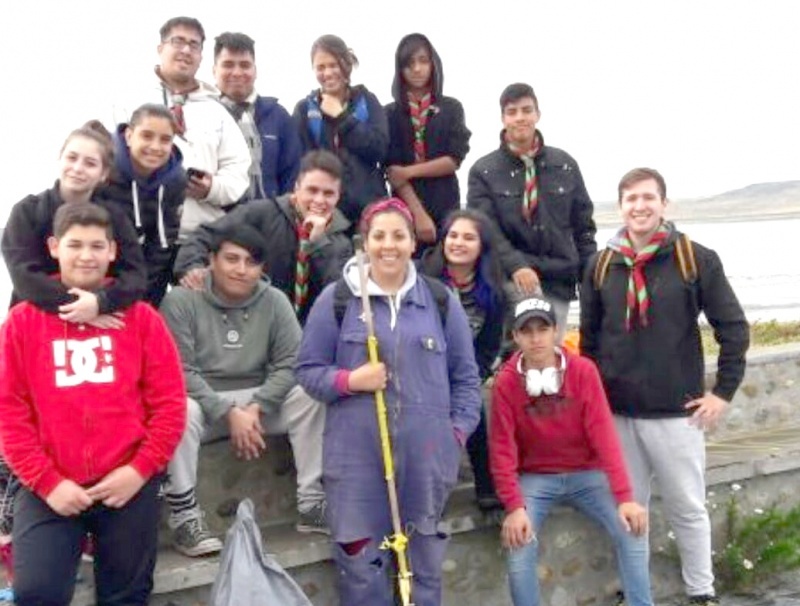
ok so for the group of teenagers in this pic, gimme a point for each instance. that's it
(192, 276)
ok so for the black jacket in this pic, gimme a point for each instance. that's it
(653, 371)
(275, 220)
(31, 267)
(446, 134)
(155, 216)
(559, 241)
(360, 145)
(488, 340)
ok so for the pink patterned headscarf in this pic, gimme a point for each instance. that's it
(389, 205)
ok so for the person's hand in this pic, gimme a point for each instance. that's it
(118, 487)
(399, 175)
(315, 224)
(517, 530)
(331, 106)
(199, 186)
(82, 310)
(708, 411)
(115, 321)
(633, 517)
(195, 278)
(368, 377)
(425, 228)
(526, 280)
(244, 424)
(68, 499)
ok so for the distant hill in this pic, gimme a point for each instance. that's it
(754, 202)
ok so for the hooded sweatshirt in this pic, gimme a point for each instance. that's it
(568, 432)
(31, 266)
(152, 204)
(212, 143)
(227, 346)
(432, 365)
(78, 402)
(446, 134)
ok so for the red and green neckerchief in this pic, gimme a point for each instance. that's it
(464, 285)
(637, 295)
(302, 269)
(530, 198)
(175, 100)
(420, 109)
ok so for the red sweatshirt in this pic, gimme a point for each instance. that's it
(567, 432)
(76, 402)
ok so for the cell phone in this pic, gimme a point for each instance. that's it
(195, 172)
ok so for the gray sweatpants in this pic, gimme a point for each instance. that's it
(300, 416)
(674, 452)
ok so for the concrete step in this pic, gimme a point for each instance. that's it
(765, 464)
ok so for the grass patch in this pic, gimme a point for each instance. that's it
(762, 334)
(758, 547)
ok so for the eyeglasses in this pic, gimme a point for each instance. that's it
(179, 42)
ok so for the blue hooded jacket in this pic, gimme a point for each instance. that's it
(153, 206)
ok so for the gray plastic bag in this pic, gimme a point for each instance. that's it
(249, 577)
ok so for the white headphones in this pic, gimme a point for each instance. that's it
(546, 381)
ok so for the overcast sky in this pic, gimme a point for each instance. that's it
(705, 91)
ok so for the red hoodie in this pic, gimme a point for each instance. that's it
(567, 432)
(76, 401)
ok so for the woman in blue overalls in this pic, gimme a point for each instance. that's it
(430, 378)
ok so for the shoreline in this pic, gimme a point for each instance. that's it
(604, 218)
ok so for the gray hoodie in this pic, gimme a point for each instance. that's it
(227, 346)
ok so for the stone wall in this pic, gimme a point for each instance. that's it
(770, 393)
(576, 563)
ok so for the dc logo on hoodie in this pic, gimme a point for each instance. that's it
(85, 363)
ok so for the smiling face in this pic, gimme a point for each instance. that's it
(84, 253)
(316, 192)
(519, 120)
(235, 74)
(150, 144)
(81, 167)
(329, 73)
(389, 245)
(642, 208)
(180, 53)
(462, 244)
(234, 272)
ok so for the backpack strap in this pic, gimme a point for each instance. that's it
(314, 117)
(361, 111)
(601, 267)
(440, 294)
(342, 296)
(684, 255)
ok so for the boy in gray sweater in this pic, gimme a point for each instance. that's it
(238, 338)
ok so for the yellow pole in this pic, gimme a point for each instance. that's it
(397, 542)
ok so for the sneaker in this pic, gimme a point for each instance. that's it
(620, 599)
(193, 539)
(87, 549)
(314, 519)
(703, 600)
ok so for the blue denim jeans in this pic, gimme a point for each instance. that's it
(589, 492)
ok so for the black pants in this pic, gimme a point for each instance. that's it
(478, 451)
(47, 550)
